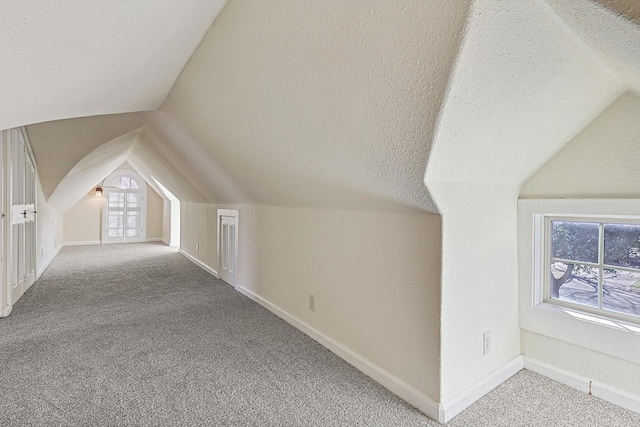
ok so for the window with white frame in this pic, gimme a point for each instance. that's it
(593, 264)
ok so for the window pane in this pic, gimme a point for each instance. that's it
(124, 182)
(574, 241)
(116, 199)
(133, 219)
(574, 283)
(134, 184)
(622, 245)
(134, 200)
(621, 291)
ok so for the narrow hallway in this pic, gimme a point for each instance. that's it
(138, 335)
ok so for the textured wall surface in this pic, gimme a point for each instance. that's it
(324, 103)
(615, 37)
(602, 161)
(523, 86)
(83, 221)
(375, 277)
(581, 361)
(64, 59)
(302, 109)
(59, 145)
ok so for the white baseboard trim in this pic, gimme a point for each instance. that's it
(405, 391)
(48, 261)
(88, 242)
(606, 392)
(199, 263)
(154, 239)
(7, 311)
(166, 242)
(468, 396)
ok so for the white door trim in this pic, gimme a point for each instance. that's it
(109, 184)
(234, 214)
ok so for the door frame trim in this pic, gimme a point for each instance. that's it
(235, 214)
(143, 188)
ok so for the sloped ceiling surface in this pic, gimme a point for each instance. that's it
(525, 83)
(326, 103)
(65, 58)
(615, 37)
(59, 145)
(342, 104)
(602, 161)
(139, 149)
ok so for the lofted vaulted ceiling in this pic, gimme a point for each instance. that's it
(65, 58)
(321, 103)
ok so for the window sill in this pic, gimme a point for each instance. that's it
(585, 316)
(613, 337)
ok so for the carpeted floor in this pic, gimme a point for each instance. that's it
(138, 335)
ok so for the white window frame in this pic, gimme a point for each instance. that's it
(614, 335)
(109, 184)
(544, 276)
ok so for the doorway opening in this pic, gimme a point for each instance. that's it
(228, 245)
(171, 222)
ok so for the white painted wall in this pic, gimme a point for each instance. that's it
(479, 276)
(602, 161)
(198, 225)
(166, 222)
(155, 213)
(83, 221)
(59, 145)
(319, 103)
(579, 360)
(375, 277)
(49, 225)
(522, 87)
(71, 59)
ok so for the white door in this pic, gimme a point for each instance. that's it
(125, 216)
(228, 248)
(22, 218)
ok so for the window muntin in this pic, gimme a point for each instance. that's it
(594, 264)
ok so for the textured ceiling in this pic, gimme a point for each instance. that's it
(524, 85)
(64, 58)
(628, 9)
(325, 103)
(602, 161)
(614, 39)
(60, 144)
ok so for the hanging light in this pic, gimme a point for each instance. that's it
(98, 191)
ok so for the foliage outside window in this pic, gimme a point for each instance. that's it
(595, 264)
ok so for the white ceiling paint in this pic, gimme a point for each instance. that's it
(91, 170)
(135, 148)
(322, 103)
(524, 85)
(59, 145)
(64, 58)
(615, 39)
(602, 161)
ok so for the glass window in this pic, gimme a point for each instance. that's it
(595, 264)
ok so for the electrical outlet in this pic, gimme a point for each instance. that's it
(197, 247)
(312, 302)
(486, 338)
